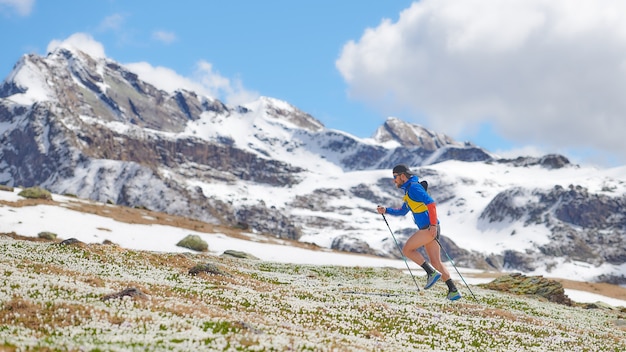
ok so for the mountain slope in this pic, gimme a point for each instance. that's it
(91, 127)
(104, 297)
(103, 133)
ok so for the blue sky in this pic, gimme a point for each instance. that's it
(281, 48)
(513, 76)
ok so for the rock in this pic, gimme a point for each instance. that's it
(530, 285)
(505, 206)
(47, 235)
(70, 241)
(520, 261)
(130, 292)
(238, 254)
(265, 220)
(613, 279)
(35, 193)
(352, 244)
(598, 305)
(549, 161)
(554, 161)
(207, 268)
(193, 242)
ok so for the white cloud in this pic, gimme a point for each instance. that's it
(163, 77)
(80, 41)
(112, 22)
(542, 71)
(22, 7)
(204, 81)
(231, 91)
(525, 151)
(164, 36)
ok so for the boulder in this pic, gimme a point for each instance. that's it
(209, 268)
(70, 241)
(530, 285)
(47, 235)
(238, 254)
(35, 193)
(193, 242)
(131, 292)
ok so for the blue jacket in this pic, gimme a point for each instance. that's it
(415, 200)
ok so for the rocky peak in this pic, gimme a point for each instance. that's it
(26, 84)
(411, 135)
(549, 161)
(287, 113)
(101, 88)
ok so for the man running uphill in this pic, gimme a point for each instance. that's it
(419, 202)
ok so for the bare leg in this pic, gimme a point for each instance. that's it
(434, 254)
(417, 240)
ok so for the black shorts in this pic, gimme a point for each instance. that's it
(438, 230)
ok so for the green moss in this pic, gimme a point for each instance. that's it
(47, 235)
(35, 193)
(193, 242)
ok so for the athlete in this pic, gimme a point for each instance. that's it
(422, 206)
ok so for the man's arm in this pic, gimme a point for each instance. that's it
(398, 211)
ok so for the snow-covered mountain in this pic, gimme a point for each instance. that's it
(88, 126)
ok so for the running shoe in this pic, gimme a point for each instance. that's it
(454, 295)
(432, 278)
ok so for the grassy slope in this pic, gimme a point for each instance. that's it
(51, 299)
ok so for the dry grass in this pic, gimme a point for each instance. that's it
(44, 317)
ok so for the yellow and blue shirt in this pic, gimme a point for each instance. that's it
(416, 200)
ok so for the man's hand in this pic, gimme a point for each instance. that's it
(380, 209)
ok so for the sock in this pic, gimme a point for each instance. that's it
(428, 268)
(451, 285)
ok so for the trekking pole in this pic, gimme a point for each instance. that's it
(457, 270)
(400, 249)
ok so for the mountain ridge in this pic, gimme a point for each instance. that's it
(90, 127)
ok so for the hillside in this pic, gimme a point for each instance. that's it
(104, 297)
(97, 296)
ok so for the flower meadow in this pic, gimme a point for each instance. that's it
(57, 297)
